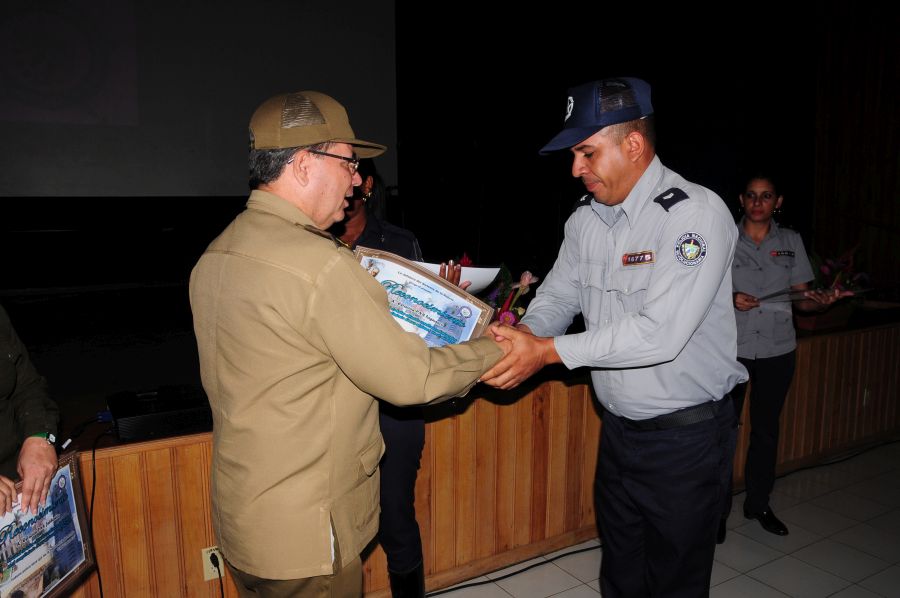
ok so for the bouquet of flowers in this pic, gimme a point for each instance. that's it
(506, 296)
(838, 273)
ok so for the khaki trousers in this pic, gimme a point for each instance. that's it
(345, 582)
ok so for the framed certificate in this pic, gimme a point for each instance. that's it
(47, 553)
(423, 303)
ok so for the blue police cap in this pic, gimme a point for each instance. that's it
(598, 104)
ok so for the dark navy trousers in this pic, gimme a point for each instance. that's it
(403, 429)
(770, 380)
(658, 496)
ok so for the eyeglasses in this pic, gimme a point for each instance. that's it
(352, 163)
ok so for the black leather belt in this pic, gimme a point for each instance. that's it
(676, 419)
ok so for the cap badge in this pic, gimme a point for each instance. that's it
(570, 104)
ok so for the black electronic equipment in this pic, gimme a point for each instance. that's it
(166, 411)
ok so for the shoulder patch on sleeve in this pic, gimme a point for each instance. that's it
(584, 201)
(690, 249)
(669, 198)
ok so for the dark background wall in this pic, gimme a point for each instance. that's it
(135, 98)
(124, 122)
(123, 128)
(729, 93)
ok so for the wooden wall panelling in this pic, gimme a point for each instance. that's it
(164, 521)
(555, 513)
(465, 487)
(525, 447)
(487, 445)
(540, 429)
(575, 450)
(443, 508)
(507, 459)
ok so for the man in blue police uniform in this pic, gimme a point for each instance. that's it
(647, 260)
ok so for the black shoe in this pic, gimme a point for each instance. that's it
(768, 521)
(723, 529)
(408, 585)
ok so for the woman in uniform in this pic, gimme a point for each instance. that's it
(771, 275)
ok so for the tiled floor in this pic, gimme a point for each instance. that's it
(844, 520)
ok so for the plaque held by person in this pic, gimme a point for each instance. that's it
(423, 303)
(47, 553)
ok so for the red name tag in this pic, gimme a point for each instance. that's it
(638, 258)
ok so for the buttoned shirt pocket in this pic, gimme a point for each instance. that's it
(629, 284)
(593, 293)
(783, 326)
(780, 270)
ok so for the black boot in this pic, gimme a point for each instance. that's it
(410, 584)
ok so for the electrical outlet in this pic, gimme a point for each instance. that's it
(209, 571)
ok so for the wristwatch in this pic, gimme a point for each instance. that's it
(48, 436)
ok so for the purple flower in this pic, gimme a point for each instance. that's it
(508, 318)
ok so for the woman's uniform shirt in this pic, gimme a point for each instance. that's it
(777, 263)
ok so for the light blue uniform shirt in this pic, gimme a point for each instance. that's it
(654, 287)
(777, 263)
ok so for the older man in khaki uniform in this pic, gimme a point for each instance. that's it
(295, 338)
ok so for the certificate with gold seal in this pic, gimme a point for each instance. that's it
(423, 303)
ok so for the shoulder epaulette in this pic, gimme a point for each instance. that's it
(584, 201)
(325, 235)
(669, 198)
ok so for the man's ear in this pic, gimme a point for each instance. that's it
(299, 166)
(635, 146)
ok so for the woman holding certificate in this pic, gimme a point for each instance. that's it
(403, 428)
(771, 275)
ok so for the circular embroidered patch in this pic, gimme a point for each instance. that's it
(690, 249)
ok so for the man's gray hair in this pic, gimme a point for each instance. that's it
(266, 165)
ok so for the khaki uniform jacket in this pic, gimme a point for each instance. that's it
(295, 338)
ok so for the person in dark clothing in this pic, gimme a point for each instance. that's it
(403, 428)
(28, 425)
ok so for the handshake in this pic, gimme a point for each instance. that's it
(523, 355)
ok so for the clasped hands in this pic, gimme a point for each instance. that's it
(524, 354)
